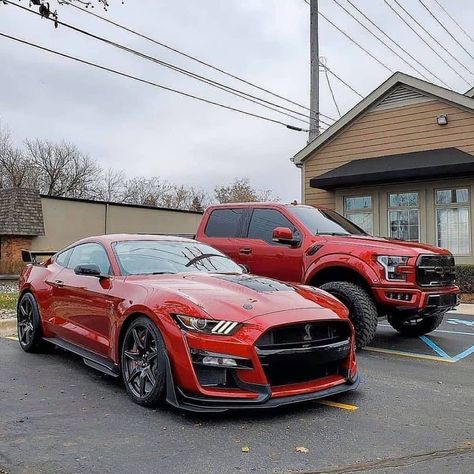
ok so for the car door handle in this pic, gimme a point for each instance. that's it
(58, 283)
(245, 251)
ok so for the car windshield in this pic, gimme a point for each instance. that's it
(325, 221)
(154, 257)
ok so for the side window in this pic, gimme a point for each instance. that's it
(63, 258)
(90, 254)
(224, 223)
(264, 221)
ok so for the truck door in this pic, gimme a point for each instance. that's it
(268, 258)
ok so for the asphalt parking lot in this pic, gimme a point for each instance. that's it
(413, 412)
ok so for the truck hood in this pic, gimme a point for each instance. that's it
(241, 297)
(386, 246)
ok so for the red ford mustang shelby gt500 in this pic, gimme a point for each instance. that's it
(180, 321)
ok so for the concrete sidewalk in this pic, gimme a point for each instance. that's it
(466, 308)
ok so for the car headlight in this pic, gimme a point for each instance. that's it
(207, 326)
(391, 264)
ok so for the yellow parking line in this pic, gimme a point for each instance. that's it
(13, 338)
(343, 406)
(409, 354)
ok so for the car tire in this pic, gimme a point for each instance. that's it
(143, 362)
(29, 324)
(415, 327)
(362, 309)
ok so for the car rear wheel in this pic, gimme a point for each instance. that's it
(362, 309)
(416, 327)
(29, 324)
(144, 362)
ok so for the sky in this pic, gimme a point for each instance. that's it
(151, 132)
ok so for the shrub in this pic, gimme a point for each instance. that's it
(465, 278)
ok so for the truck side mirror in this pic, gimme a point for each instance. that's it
(283, 235)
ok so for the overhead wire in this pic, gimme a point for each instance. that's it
(330, 71)
(424, 40)
(429, 71)
(445, 29)
(454, 20)
(146, 81)
(185, 72)
(332, 92)
(383, 42)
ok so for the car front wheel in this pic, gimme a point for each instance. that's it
(417, 326)
(29, 324)
(144, 362)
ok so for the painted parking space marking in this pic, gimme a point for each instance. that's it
(342, 406)
(456, 321)
(412, 355)
(461, 333)
(12, 338)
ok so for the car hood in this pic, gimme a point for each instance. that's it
(386, 246)
(241, 297)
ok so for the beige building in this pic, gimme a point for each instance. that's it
(31, 221)
(400, 164)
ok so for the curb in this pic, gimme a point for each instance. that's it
(464, 308)
(7, 326)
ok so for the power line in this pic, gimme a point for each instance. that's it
(185, 72)
(145, 81)
(445, 29)
(332, 92)
(397, 44)
(378, 38)
(424, 40)
(341, 80)
(453, 19)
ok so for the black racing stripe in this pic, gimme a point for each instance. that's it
(260, 284)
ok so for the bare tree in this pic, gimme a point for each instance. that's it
(63, 170)
(111, 186)
(241, 191)
(146, 191)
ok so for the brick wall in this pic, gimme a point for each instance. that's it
(10, 253)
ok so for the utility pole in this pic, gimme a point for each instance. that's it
(314, 52)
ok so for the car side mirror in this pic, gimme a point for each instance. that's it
(88, 270)
(284, 235)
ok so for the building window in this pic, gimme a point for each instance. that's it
(358, 209)
(404, 216)
(452, 220)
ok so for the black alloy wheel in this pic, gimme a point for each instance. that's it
(28, 323)
(143, 362)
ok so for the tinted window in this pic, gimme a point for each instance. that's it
(90, 254)
(147, 257)
(324, 221)
(63, 258)
(264, 221)
(224, 223)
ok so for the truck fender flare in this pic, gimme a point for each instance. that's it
(355, 264)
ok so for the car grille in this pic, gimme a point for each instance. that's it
(435, 270)
(303, 352)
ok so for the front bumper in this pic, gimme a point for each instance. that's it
(257, 386)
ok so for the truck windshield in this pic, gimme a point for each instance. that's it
(324, 221)
(154, 257)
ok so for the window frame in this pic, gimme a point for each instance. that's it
(111, 267)
(240, 224)
(248, 221)
(370, 210)
(454, 205)
(404, 208)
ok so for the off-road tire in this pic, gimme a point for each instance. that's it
(362, 309)
(416, 327)
(153, 371)
(29, 328)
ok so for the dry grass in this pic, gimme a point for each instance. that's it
(8, 301)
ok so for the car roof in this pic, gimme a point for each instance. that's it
(111, 238)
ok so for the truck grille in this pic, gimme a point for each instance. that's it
(435, 270)
(303, 352)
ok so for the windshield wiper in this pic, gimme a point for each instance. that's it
(202, 257)
(161, 273)
(333, 233)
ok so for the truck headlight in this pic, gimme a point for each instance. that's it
(391, 264)
(207, 326)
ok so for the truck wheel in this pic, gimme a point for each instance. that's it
(416, 327)
(362, 309)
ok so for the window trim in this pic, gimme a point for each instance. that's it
(112, 273)
(370, 210)
(404, 208)
(274, 244)
(454, 205)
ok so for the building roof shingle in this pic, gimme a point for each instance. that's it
(21, 212)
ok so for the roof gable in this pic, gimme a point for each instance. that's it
(396, 90)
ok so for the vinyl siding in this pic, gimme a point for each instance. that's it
(385, 132)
